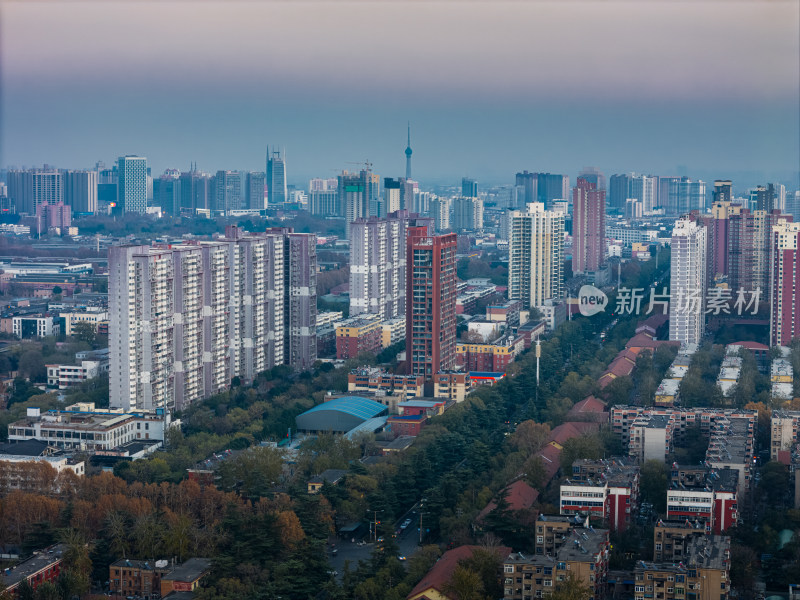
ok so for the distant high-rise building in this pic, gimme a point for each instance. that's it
(300, 316)
(530, 184)
(793, 205)
(196, 191)
(594, 176)
(784, 323)
(391, 196)
(356, 194)
(30, 188)
(408, 155)
(408, 191)
(430, 302)
(536, 254)
(619, 190)
(722, 191)
(322, 185)
(688, 281)
(254, 186)
(739, 246)
(167, 193)
(684, 196)
(324, 203)
(440, 211)
(378, 264)
(588, 227)
(643, 189)
(132, 186)
(276, 178)
(228, 192)
(469, 187)
(770, 197)
(186, 319)
(552, 187)
(80, 191)
(467, 214)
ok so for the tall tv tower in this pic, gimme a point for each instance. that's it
(408, 154)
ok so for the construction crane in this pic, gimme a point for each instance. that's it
(366, 164)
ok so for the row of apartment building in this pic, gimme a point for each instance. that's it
(186, 319)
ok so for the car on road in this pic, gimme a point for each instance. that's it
(405, 524)
(401, 557)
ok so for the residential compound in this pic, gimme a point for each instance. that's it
(582, 551)
(536, 250)
(606, 489)
(186, 319)
(703, 573)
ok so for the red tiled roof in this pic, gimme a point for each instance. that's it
(590, 408)
(751, 345)
(444, 568)
(519, 496)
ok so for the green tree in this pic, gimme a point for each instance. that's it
(85, 332)
(571, 588)
(465, 584)
(31, 365)
(77, 564)
(653, 484)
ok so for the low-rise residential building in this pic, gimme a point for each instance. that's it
(489, 357)
(507, 313)
(553, 313)
(406, 425)
(66, 376)
(670, 538)
(393, 331)
(31, 326)
(330, 476)
(44, 565)
(92, 316)
(138, 578)
(583, 552)
(606, 489)
(358, 334)
(452, 386)
(699, 493)
(374, 379)
(667, 393)
(434, 585)
(531, 331)
(782, 377)
(729, 373)
(784, 434)
(89, 430)
(704, 574)
(185, 577)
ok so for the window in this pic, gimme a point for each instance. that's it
(508, 568)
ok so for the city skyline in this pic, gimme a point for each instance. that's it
(518, 96)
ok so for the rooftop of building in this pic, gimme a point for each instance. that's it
(328, 476)
(133, 563)
(657, 422)
(702, 552)
(442, 571)
(191, 570)
(28, 448)
(583, 545)
(40, 560)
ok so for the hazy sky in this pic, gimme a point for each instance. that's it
(489, 87)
